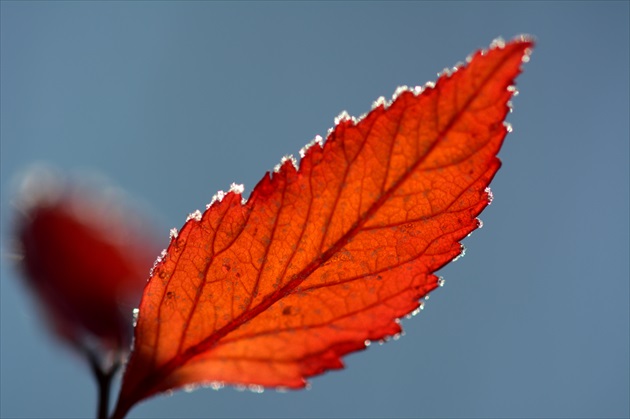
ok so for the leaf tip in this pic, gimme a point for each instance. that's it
(525, 38)
(529, 41)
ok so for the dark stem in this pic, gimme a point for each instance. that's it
(120, 412)
(104, 378)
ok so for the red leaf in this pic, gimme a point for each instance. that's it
(324, 257)
(84, 258)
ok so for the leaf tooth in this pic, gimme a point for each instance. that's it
(196, 215)
(216, 385)
(399, 91)
(344, 116)
(512, 89)
(488, 192)
(286, 158)
(446, 72)
(318, 140)
(498, 42)
(189, 388)
(217, 197)
(254, 388)
(380, 101)
(158, 260)
(416, 311)
(461, 254)
(417, 90)
(237, 188)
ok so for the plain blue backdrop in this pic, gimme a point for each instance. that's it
(173, 101)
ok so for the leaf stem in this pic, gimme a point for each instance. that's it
(120, 411)
(104, 378)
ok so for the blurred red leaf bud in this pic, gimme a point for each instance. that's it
(85, 255)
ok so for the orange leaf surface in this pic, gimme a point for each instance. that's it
(320, 259)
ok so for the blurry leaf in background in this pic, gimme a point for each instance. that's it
(85, 255)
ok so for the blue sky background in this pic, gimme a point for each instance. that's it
(174, 101)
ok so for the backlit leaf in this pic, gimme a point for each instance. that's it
(324, 257)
